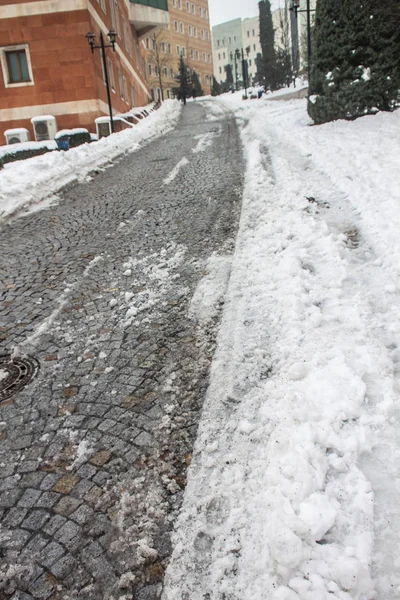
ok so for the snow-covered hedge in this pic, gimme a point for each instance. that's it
(23, 153)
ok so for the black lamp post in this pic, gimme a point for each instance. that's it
(235, 56)
(112, 35)
(245, 70)
(294, 6)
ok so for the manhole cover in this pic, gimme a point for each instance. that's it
(15, 374)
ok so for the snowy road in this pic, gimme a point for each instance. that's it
(94, 452)
(294, 488)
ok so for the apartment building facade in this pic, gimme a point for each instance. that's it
(252, 45)
(238, 34)
(47, 67)
(226, 38)
(188, 35)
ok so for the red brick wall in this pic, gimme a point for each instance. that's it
(64, 69)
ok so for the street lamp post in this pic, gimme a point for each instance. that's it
(112, 35)
(245, 69)
(294, 6)
(234, 58)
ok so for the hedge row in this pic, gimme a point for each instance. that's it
(75, 139)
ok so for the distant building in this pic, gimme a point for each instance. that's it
(251, 42)
(226, 39)
(238, 34)
(47, 67)
(188, 35)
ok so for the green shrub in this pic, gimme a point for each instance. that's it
(15, 155)
(79, 138)
(1, 163)
(355, 67)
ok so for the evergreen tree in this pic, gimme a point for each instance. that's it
(195, 85)
(229, 74)
(183, 89)
(267, 45)
(283, 68)
(355, 64)
(215, 88)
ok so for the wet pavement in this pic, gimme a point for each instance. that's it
(94, 452)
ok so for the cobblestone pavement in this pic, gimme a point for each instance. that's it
(94, 452)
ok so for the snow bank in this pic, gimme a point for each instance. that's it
(283, 486)
(30, 181)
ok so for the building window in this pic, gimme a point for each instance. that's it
(200, 11)
(114, 15)
(195, 32)
(254, 47)
(197, 55)
(193, 9)
(168, 94)
(133, 96)
(163, 47)
(103, 5)
(176, 26)
(209, 57)
(182, 27)
(188, 7)
(150, 69)
(111, 77)
(165, 70)
(169, 49)
(180, 4)
(174, 3)
(16, 66)
(190, 29)
(183, 51)
(147, 43)
(178, 50)
(220, 69)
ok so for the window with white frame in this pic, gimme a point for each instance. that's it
(133, 96)
(180, 4)
(103, 5)
(183, 51)
(181, 27)
(197, 55)
(188, 7)
(165, 71)
(178, 50)
(190, 29)
(174, 3)
(110, 69)
(176, 25)
(120, 84)
(150, 70)
(193, 9)
(16, 65)
(204, 57)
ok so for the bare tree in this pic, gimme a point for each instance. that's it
(160, 58)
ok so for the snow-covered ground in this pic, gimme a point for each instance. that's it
(294, 489)
(31, 183)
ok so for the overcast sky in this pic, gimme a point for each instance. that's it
(225, 10)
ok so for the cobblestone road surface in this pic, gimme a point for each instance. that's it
(94, 452)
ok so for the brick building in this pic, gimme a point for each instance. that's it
(188, 35)
(47, 67)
